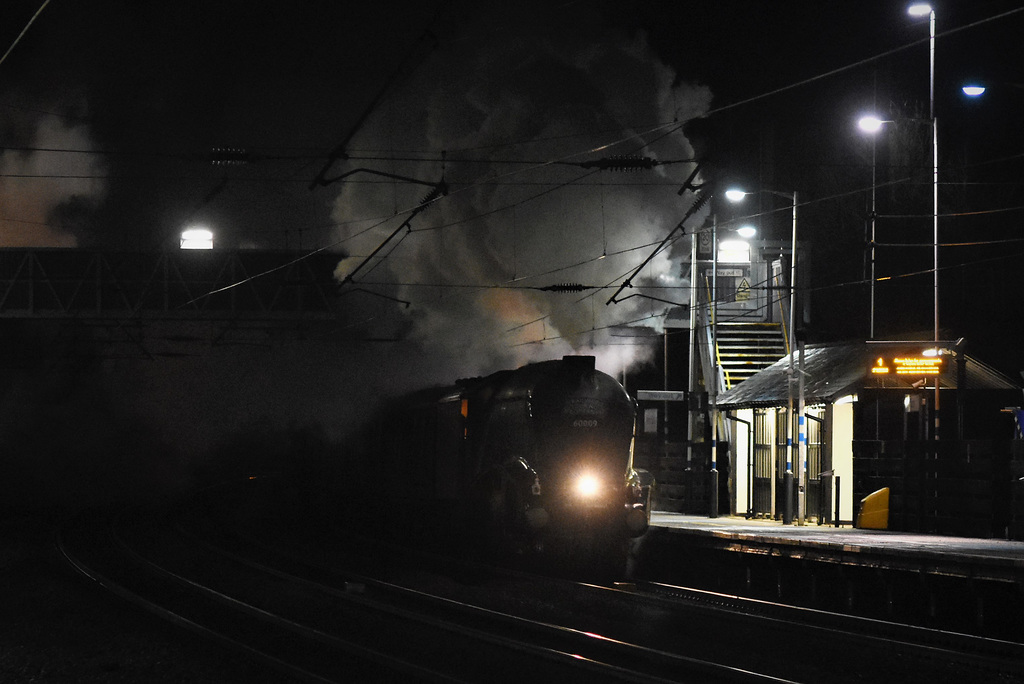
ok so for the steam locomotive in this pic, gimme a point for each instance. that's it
(526, 455)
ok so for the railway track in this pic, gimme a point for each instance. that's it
(328, 627)
(997, 658)
(322, 607)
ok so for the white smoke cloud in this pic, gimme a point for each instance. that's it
(36, 185)
(473, 263)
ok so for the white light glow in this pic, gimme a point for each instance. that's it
(746, 231)
(734, 195)
(920, 9)
(733, 252)
(197, 238)
(973, 90)
(587, 486)
(870, 124)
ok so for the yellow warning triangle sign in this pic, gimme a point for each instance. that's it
(743, 291)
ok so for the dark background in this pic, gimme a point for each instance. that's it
(110, 112)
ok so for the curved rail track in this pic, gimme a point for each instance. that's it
(339, 627)
(322, 607)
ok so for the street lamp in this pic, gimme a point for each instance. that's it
(733, 247)
(737, 195)
(926, 10)
(872, 124)
(746, 232)
(196, 238)
(977, 88)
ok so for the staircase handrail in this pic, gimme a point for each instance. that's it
(783, 314)
(709, 346)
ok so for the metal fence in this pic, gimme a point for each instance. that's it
(954, 487)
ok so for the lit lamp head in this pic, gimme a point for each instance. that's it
(733, 251)
(196, 238)
(870, 124)
(736, 251)
(973, 90)
(919, 9)
(746, 232)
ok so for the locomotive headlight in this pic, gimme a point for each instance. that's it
(587, 486)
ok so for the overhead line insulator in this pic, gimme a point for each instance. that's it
(566, 287)
(229, 156)
(623, 163)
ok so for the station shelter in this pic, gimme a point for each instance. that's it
(936, 426)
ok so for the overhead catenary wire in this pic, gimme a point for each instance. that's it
(499, 210)
(551, 189)
(975, 243)
(21, 35)
(429, 228)
(698, 202)
(803, 291)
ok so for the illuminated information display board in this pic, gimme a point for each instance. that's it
(908, 365)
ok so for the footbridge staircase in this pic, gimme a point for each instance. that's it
(744, 348)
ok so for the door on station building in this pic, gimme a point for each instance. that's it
(763, 466)
(782, 436)
(815, 453)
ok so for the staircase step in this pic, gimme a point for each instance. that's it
(762, 362)
(762, 351)
(733, 335)
(746, 347)
(760, 324)
(752, 340)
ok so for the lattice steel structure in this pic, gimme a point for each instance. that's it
(146, 299)
(215, 284)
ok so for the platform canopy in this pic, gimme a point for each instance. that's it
(837, 370)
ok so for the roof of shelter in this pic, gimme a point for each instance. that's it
(832, 371)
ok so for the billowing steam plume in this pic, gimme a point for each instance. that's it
(517, 118)
(46, 193)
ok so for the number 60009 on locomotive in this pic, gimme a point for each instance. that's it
(533, 459)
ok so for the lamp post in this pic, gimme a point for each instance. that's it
(713, 493)
(922, 10)
(691, 384)
(872, 125)
(787, 517)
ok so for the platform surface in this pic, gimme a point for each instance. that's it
(845, 542)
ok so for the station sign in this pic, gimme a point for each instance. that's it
(705, 245)
(916, 366)
(660, 395)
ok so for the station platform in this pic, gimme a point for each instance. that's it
(973, 558)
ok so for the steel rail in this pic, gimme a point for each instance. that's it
(411, 616)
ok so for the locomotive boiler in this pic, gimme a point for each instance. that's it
(526, 456)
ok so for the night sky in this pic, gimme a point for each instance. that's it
(110, 111)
